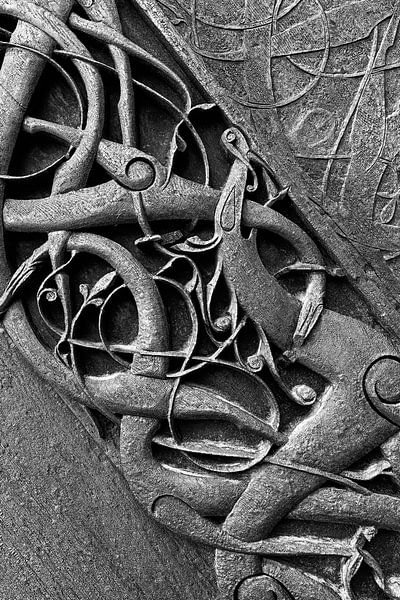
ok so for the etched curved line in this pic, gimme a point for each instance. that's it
(366, 155)
(308, 87)
(228, 56)
(76, 93)
(234, 26)
(349, 23)
(338, 75)
(275, 14)
(350, 113)
(166, 102)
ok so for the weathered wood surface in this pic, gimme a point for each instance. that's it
(70, 527)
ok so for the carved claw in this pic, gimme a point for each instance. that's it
(281, 195)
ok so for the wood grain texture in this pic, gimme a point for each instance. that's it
(70, 527)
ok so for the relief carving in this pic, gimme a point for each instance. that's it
(175, 260)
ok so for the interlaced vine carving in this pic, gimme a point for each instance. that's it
(186, 325)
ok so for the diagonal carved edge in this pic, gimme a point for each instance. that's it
(366, 271)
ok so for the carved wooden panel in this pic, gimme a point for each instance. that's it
(200, 299)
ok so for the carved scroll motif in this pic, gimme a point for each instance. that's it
(165, 289)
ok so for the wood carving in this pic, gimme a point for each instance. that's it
(201, 256)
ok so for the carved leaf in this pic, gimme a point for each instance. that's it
(204, 106)
(388, 211)
(181, 145)
(102, 285)
(84, 290)
(20, 277)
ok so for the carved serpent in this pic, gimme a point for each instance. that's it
(339, 348)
